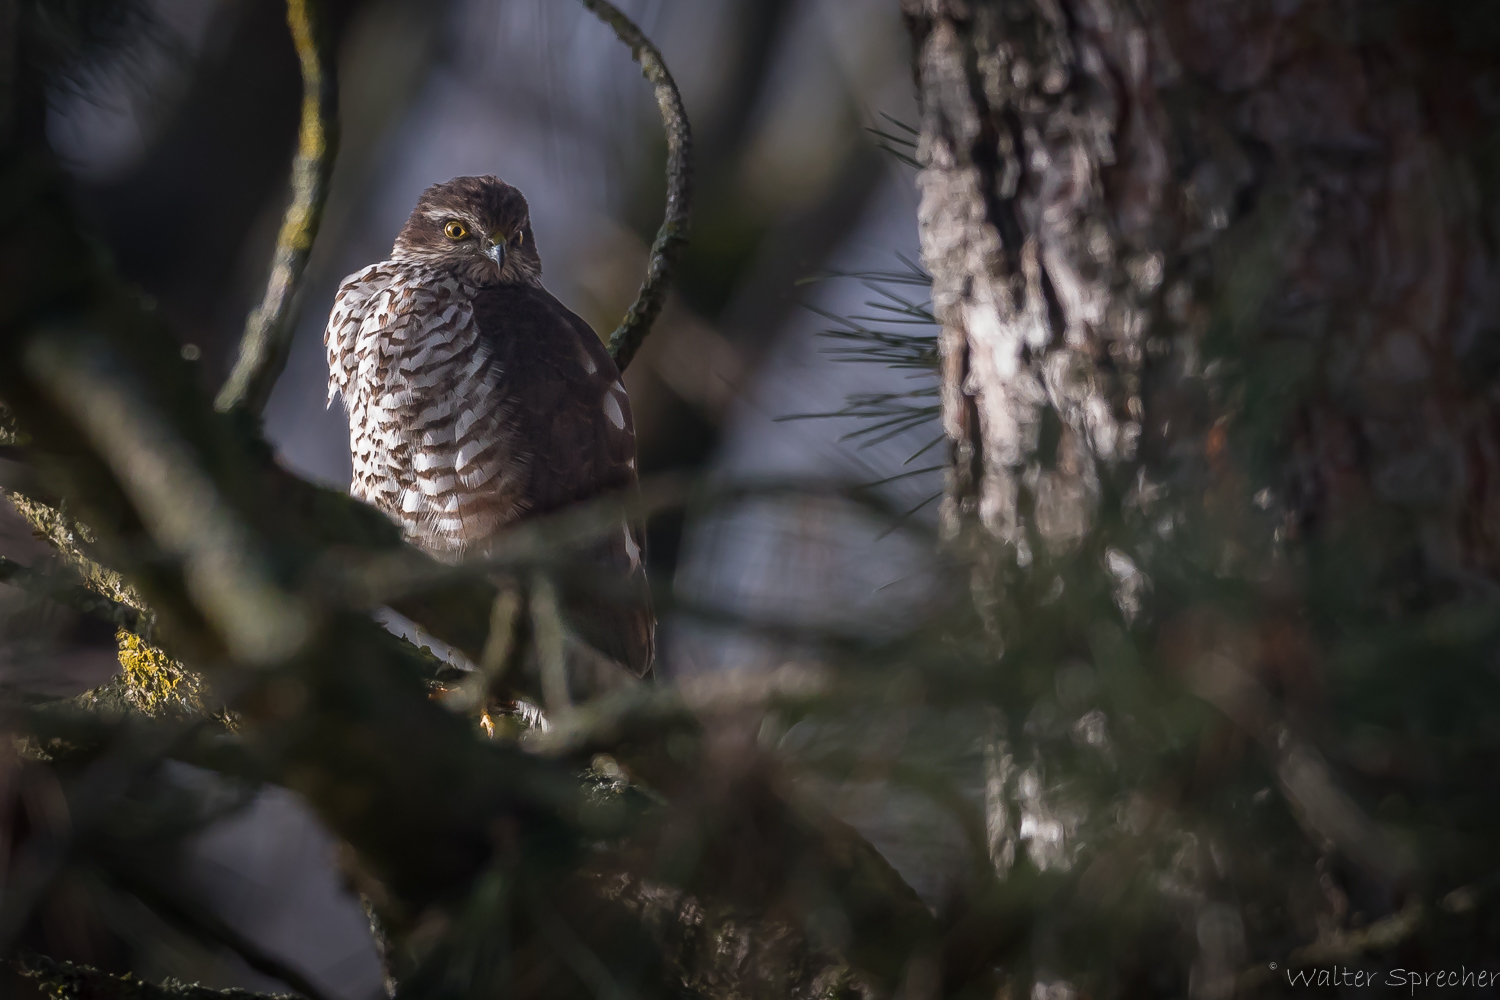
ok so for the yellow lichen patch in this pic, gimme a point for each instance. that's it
(153, 682)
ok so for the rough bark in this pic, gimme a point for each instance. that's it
(1030, 281)
(1115, 195)
(1217, 284)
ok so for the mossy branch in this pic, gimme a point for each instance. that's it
(75, 542)
(672, 236)
(268, 331)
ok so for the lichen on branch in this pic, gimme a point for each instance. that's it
(268, 331)
(69, 981)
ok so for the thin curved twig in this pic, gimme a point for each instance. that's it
(268, 330)
(672, 236)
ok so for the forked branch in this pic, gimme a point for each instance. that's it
(672, 236)
(268, 331)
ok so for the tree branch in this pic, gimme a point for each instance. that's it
(73, 595)
(268, 331)
(653, 710)
(672, 236)
(177, 500)
(547, 633)
(75, 542)
(67, 981)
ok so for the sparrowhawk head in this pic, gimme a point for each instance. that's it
(479, 227)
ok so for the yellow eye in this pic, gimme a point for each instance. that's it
(455, 230)
(519, 238)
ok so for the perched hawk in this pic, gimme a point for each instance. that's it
(476, 399)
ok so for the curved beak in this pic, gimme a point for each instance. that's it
(496, 252)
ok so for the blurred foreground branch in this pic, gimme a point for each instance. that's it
(650, 710)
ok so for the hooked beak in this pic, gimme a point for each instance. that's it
(496, 253)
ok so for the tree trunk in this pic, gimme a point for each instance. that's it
(1217, 284)
(1113, 201)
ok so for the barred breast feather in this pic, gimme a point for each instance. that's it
(428, 431)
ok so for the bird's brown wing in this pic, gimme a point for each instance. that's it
(572, 416)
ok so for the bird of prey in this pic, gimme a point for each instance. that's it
(477, 399)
